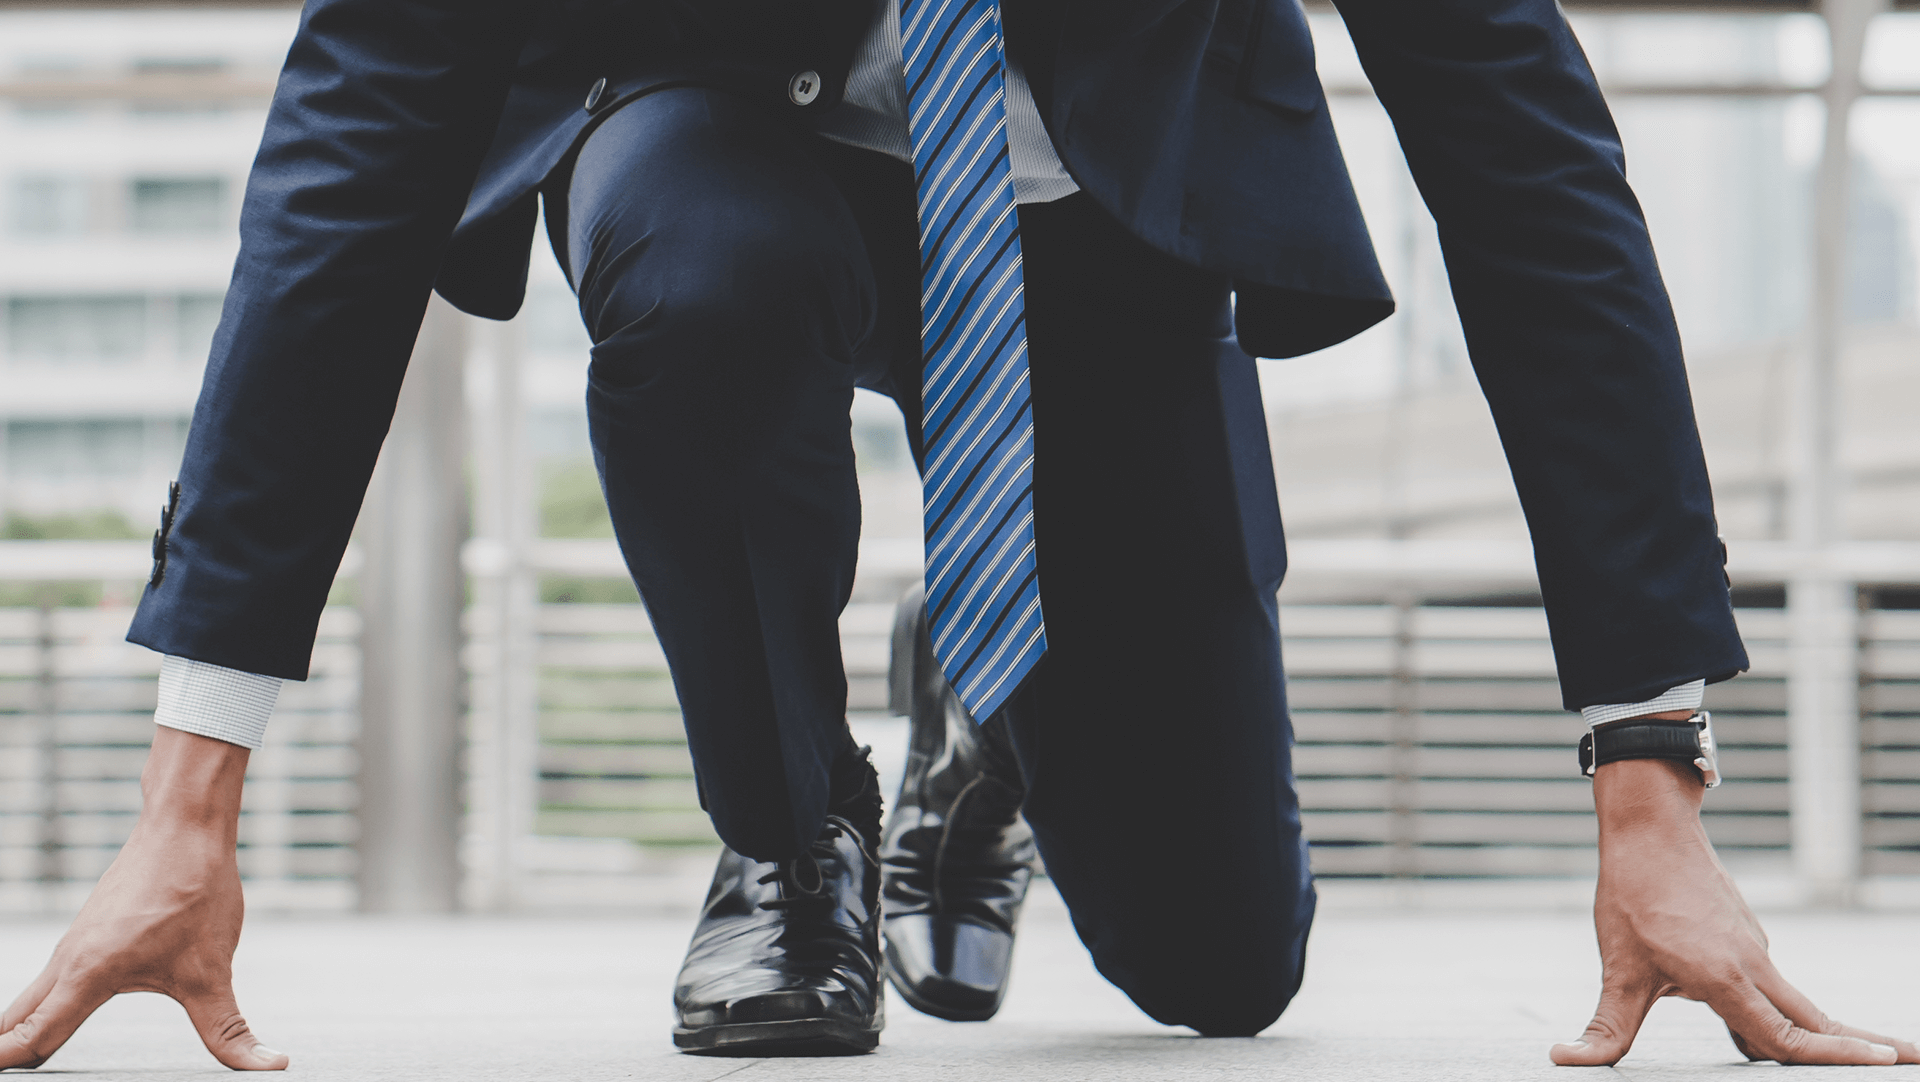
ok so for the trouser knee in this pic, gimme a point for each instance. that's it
(1230, 980)
(705, 244)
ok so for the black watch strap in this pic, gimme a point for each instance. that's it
(1687, 741)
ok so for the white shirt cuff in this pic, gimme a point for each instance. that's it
(1684, 697)
(225, 704)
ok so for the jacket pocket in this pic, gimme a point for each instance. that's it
(1277, 70)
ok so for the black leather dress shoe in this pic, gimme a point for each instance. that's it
(786, 958)
(957, 857)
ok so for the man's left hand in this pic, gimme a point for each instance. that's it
(1672, 923)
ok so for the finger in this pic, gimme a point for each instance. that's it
(216, 1017)
(1749, 1013)
(1746, 1049)
(1904, 1051)
(1796, 1006)
(28, 1000)
(1615, 1022)
(40, 1034)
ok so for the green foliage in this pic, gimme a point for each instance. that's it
(54, 595)
(572, 589)
(344, 591)
(571, 504)
(81, 526)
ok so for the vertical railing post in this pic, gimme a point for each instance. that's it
(1404, 733)
(266, 831)
(411, 593)
(1823, 736)
(47, 749)
(1403, 706)
(1823, 708)
(504, 724)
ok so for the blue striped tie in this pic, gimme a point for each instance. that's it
(983, 590)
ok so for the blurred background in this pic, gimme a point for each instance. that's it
(507, 738)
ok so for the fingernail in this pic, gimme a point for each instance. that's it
(1892, 1054)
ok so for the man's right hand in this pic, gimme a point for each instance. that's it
(164, 918)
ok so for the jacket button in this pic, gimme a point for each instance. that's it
(804, 88)
(593, 96)
(159, 558)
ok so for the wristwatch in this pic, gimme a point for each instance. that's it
(1688, 741)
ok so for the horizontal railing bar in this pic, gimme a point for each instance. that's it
(1685, 90)
(208, 89)
(1508, 562)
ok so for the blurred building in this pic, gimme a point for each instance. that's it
(125, 138)
(124, 141)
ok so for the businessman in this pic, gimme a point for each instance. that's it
(1057, 243)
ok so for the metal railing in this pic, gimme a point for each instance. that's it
(1430, 739)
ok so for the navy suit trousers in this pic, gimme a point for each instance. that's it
(740, 276)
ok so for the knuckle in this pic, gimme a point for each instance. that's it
(1726, 973)
(30, 1036)
(1786, 1042)
(228, 1027)
(1603, 1029)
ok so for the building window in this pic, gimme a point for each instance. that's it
(49, 206)
(198, 316)
(78, 330)
(179, 204)
(179, 65)
(75, 450)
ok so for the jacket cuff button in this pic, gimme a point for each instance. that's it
(159, 558)
(804, 88)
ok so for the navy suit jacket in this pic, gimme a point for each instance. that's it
(408, 139)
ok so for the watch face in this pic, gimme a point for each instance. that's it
(1709, 760)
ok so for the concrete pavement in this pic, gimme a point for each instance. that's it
(1389, 995)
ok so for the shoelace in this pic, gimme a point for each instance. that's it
(787, 872)
(997, 807)
(946, 836)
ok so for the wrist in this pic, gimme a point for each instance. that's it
(193, 783)
(1646, 793)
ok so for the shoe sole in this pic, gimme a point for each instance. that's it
(798, 1037)
(933, 1007)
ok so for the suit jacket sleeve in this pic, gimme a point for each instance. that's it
(376, 131)
(1570, 331)
(1516, 155)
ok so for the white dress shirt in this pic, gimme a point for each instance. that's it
(872, 114)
